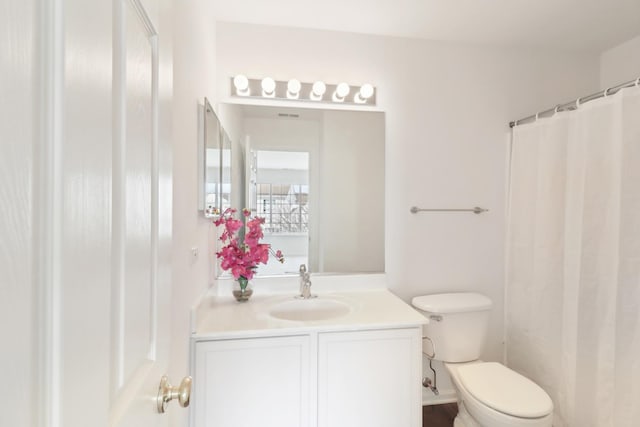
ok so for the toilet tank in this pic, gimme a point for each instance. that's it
(458, 324)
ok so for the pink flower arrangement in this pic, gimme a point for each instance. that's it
(242, 255)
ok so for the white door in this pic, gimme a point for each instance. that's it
(18, 131)
(141, 218)
(85, 193)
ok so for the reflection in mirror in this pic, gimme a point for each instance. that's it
(317, 177)
(280, 195)
(210, 160)
(225, 171)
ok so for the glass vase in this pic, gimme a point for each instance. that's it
(242, 290)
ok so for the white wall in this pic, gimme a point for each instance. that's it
(447, 107)
(620, 64)
(194, 41)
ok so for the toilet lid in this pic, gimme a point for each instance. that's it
(504, 390)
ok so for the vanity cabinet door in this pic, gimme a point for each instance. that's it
(369, 378)
(252, 382)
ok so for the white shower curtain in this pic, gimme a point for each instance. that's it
(573, 260)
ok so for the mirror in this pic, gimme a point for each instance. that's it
(317, 177)
(214, 163)
(225, 170)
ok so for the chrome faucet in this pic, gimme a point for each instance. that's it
(305, 283)
(303, 272)
(306, 288)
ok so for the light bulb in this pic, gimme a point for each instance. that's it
(268, 87)
(241, 82)
(342, 90)
(318, 90)
(293, 89)
(366, 92)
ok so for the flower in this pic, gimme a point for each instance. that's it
(242, 251)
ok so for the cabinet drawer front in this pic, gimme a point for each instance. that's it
(369, 378)
(252, 382)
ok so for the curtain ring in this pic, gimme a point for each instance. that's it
(638, 82)
(555, 110)
(577, 103)
(537, 116)
(606, 92)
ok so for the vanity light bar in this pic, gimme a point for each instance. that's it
(268, 88)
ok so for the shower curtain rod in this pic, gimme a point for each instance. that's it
(573, 105)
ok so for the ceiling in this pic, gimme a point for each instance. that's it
(585, 25)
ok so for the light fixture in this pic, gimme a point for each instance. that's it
(268, 87)
(293, 89)
(342, 90)
(241, 83)
(365, 92)
(317, 91)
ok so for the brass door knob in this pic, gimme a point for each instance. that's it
(166, 393)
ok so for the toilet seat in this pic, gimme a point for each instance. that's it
(485, 415)
(487, 382)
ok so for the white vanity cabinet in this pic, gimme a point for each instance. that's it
(368, 378)
(252, 382)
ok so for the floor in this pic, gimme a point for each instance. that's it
(439, 415)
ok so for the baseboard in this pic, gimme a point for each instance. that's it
(445, 396)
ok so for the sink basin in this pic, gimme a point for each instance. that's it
(309, 309)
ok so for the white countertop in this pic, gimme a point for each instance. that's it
(223, 317)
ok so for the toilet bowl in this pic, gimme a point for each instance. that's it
(489, 394)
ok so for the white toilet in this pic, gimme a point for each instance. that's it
(489, 393)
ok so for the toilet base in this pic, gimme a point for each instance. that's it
(463, 419)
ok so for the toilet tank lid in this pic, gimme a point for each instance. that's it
(461, 302)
